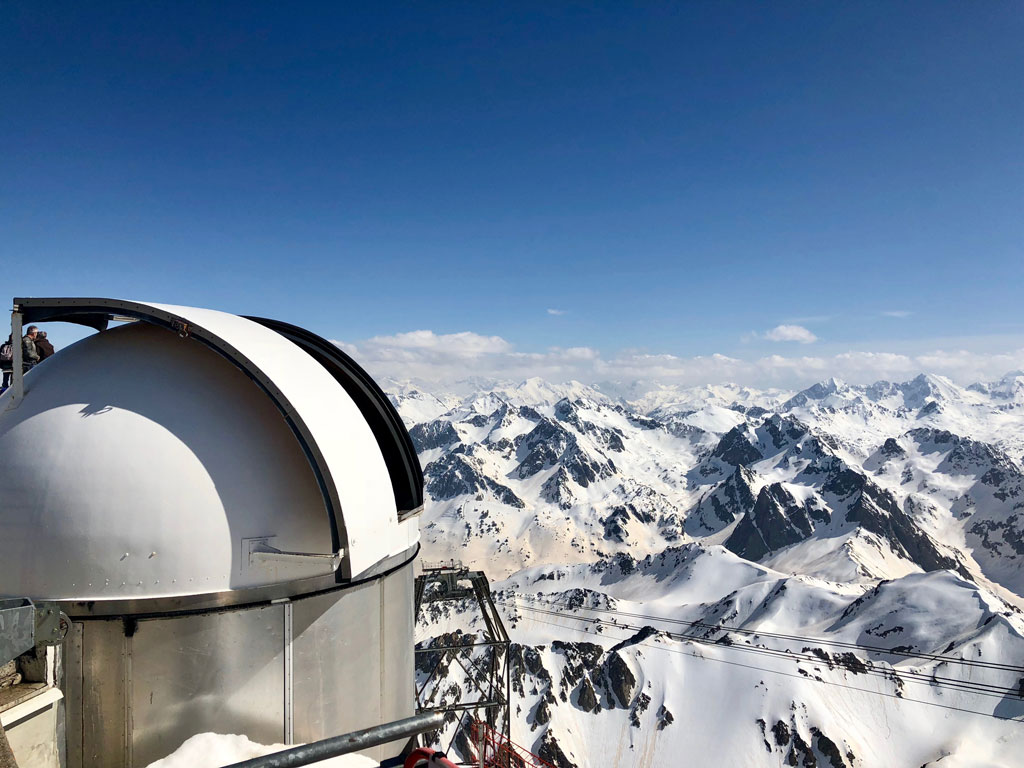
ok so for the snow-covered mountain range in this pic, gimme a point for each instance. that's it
(879, 529)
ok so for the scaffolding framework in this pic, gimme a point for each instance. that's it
(483, 711)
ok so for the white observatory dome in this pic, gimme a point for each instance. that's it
(142, 463)
(225, 511)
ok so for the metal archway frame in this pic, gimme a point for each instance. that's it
(249, 344)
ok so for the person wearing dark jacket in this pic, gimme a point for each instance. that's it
(29, 353)
(43, 346)
(7, 366)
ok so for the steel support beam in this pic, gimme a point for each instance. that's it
(17, 364)
(346, 743)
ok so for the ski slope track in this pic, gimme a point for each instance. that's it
(722, 576)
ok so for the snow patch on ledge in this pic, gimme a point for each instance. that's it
(215, 750)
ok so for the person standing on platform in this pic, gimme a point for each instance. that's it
(43, 346)
(29, 353)
(7, 362)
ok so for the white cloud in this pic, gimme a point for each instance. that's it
(447, 358)
(558, 312)
(790, 333)
(464, 343)
(897, 313)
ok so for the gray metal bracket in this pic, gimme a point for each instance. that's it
(17, 627)
(259, 554)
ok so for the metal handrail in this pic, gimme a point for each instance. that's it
(455, 565)
(316, 751)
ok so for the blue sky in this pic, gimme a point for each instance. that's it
(679, 179)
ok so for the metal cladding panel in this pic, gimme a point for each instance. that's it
(398, 623)
(354, 470)
(71, 684)
(139, 462)
(220, 672)
(290, 672)
(103, 696)
(337, 662)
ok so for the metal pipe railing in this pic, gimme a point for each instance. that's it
(346, 743)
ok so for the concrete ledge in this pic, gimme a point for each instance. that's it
(28, 707)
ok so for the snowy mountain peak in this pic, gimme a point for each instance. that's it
(647, 538)
(823, 390)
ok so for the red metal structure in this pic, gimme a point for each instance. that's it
(497, 751)
(424, 757)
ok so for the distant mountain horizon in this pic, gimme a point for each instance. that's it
(885, 516)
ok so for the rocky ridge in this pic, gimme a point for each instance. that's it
(848, 489)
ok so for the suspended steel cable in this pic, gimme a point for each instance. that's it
(783, 673)
(978, 688)
(795, 638)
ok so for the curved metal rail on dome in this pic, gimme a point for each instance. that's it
(385, 423)
(395, 444)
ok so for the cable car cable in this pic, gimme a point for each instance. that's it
(795, 676)
(977, 688)
(797, 638)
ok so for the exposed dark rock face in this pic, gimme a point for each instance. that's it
(753, 411)
(456, 474)
(891, 449)
(524, 660)
(781, 732)
(730, 499)
(569, 413)
(665, 718)
(1004, 538)
(797, 751)
(623, 563)
(548, 444)
(584, 469)
(580, 659)
(735, 448)
(821, 462)
(876, 510)
(543, 714)
(828, 748)
(776, 521)
(529, 413)
(433, 434)
(462, 745)
(782, 431)
(542, 446)
(643, 701)
(640, 421)
(621, 680)
(615, 521)
(676, 425)
(588, 698)
(557, 490)
(551, 752)
(615, 525)
(643, 634)
(801, 753)
(972, 457)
